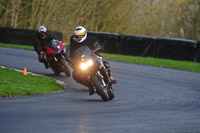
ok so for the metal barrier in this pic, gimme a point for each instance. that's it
(168, 48)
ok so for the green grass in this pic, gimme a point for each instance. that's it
(13, 83)
(174, 64)
(16, 46)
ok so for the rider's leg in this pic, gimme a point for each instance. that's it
(43, 60)
(107, 65)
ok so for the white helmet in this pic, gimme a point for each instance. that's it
(42, 31)
(80, 34)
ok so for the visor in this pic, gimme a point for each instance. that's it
(79, 33)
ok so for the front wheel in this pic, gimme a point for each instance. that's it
(100, 88)
(55, 68)
(65, 67)
(56, 71)
(111, 93)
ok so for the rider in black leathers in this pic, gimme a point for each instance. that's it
(43, 38)
(79, 39)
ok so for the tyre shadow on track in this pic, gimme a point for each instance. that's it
(81, 95)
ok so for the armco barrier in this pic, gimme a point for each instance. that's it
(177, 49)
(197, 53)
(138, 46)
(168, 48)
(110, 41)
(21, 36)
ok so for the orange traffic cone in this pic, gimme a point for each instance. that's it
(25, 72)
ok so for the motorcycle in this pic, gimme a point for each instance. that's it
(92, 71)
(54, 55)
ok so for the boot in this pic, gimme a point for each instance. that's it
(91, 90)
(46, 65)
(112, 79)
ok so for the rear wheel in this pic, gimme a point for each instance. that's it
(65, 67)
(100, 88)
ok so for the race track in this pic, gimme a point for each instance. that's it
(148, 100)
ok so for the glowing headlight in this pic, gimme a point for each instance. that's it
(85, 65)
(90, 62)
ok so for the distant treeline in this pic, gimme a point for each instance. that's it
(155, 18)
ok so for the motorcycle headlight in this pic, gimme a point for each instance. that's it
(90, 62)
(87, 64)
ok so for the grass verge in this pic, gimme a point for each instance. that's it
(16, 46)
(13, 83)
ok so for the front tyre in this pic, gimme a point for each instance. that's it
(111, 93)
(56, 71)
(100, 88)
(55, 68)
(65, 67)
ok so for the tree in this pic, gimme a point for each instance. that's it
(155, 18)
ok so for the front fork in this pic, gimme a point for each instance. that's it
(105, 80)
(102, 67)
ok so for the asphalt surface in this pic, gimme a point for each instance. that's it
(148, 100)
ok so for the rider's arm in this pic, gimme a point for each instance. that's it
(96, 46)
(37, 46)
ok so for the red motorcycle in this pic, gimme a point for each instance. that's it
(54, 53)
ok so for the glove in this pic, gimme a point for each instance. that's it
(96, 47)
(42, 53)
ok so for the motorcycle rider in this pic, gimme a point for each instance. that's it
(78, 39)
(43, 38)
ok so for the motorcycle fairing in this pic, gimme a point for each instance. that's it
(55, 50)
